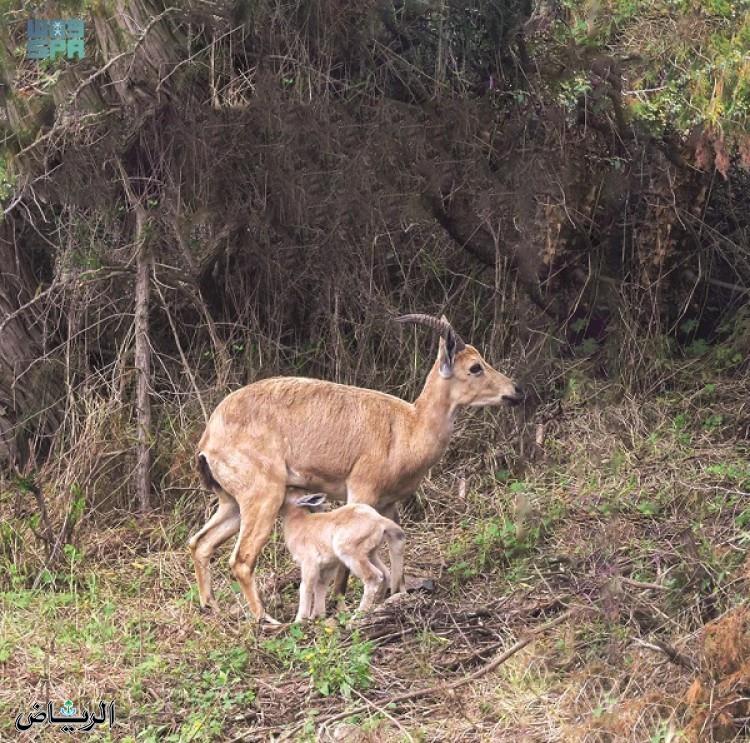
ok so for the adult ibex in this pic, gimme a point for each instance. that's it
(353, 444)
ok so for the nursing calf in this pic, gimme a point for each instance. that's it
(350, 535)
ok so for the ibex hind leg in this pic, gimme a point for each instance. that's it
(259, 506)
(395, 536)
(370, 576)
(224, 524)
(340, 583)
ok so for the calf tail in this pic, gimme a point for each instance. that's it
(395, 536)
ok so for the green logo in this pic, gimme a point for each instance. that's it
(68, 709)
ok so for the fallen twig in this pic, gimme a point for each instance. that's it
(385, 713)
(466, 660)
(644, 584)
(671, 652)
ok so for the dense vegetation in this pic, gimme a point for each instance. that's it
(222, 191)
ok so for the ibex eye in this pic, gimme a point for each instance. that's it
(475, 369)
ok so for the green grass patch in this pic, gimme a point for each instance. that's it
(335, 664)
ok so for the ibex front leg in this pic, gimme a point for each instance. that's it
(339, 585)
(319, 609)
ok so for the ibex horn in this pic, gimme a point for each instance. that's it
(440, 324)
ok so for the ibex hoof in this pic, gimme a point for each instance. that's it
(268, 619)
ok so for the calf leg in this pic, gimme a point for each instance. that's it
(307, 587)
(369, 575)
(319, 609)
(356, 492)
(378, 563)
(395, 537)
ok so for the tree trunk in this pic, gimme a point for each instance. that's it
(142, 361)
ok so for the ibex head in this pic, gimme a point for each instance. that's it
(474, 381)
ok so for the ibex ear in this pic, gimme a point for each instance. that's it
(447, 356)
(448, 347)
(311, 500)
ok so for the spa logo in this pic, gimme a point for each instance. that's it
(48, 39)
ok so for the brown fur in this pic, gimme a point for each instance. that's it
(353, 444)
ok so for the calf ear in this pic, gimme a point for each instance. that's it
(312, 500)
